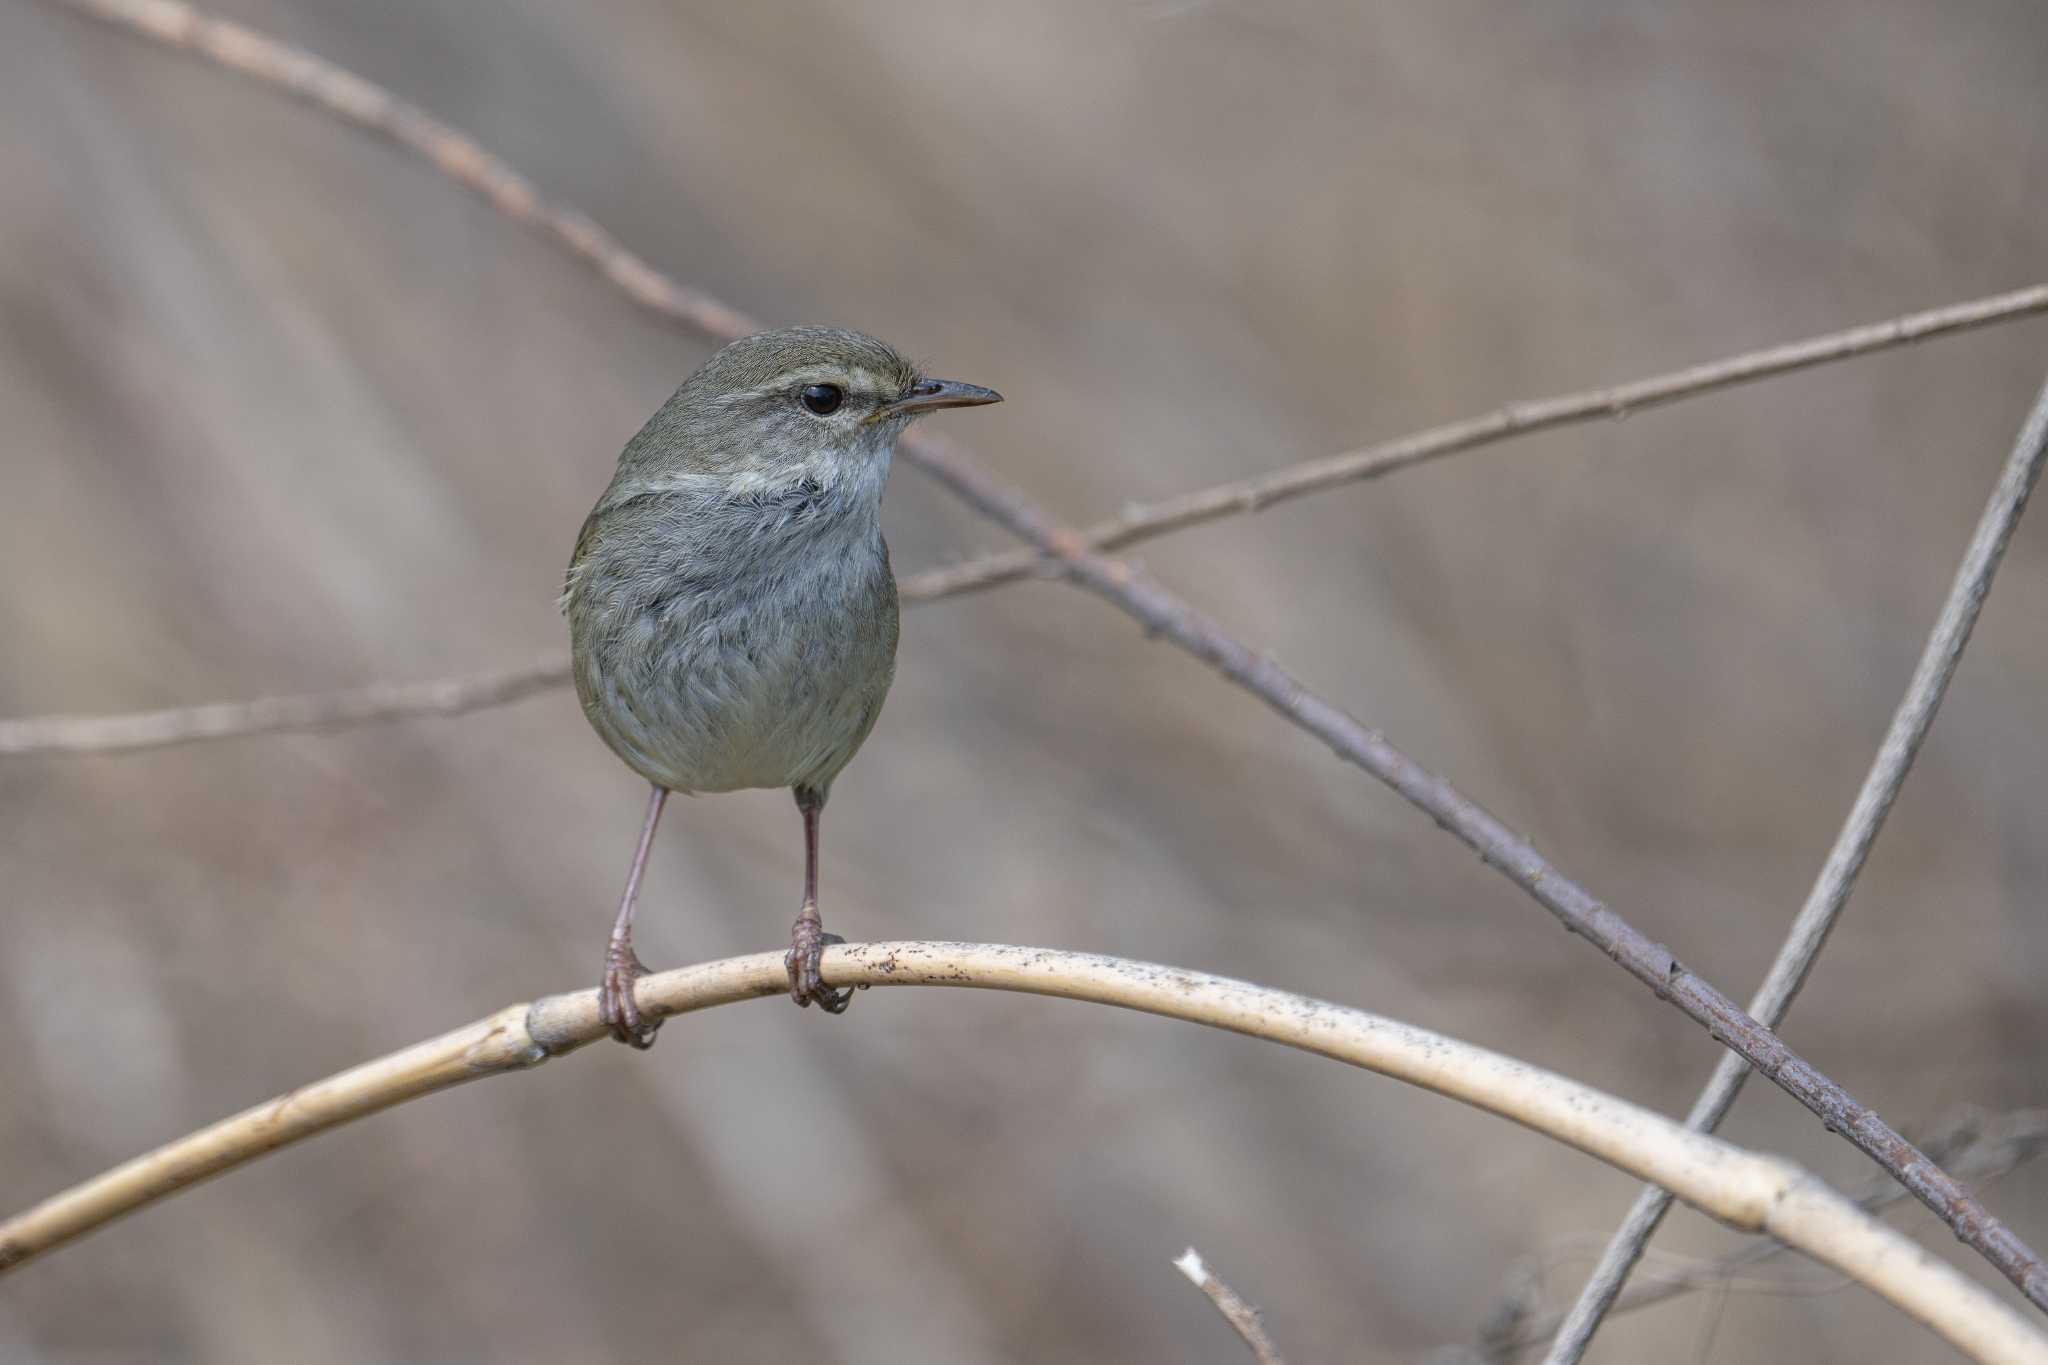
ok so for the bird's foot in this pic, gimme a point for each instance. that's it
(807, 940)
(615, 1004)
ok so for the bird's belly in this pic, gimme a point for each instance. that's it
(773, 687)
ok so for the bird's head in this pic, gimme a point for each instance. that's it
(817, 402)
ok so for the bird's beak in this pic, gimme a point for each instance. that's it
(929, 395)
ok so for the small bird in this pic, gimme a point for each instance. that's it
(732, 616)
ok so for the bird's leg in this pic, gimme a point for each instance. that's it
(622, 966)
(807, 937)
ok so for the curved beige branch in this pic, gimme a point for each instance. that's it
(1978, 1147)
(1743, 1189)
(1161, 612)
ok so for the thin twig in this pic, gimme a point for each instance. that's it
(1753, 1192)
(1975, 1147)
(357, 101)
(1514, 857)
(475, 691)
(1163, 614)
(1909, 726)
(1242, 1317)
(369, 106)
(1144, 520)
(264, 715)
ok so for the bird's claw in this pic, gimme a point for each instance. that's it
(807, 940)
(616, 1006)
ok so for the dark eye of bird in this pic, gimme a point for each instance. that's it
(823, 398)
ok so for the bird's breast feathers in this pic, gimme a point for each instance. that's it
(750, 645)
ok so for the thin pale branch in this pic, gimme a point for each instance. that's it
(1163, 614)
(1909, 726)
(1144, 520)
(475, 691)
(352, 99)
(368, 106)
(1976, 1147)
(1242, 1317)
(1746, 1190)
(1514, 857)
(268, 715)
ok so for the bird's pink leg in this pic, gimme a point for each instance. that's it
(622, 966)
(807, 937)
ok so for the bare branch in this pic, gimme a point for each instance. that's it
(1163, 614)
(1142, 521)
(368, 106)
(1977, 1147)
(1909, 726)
(469, 692)
(354, 100)
(1514, 857)
(1749, 1191)
(265, 715)
(1242, 1317)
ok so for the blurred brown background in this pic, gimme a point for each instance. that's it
(281, 410)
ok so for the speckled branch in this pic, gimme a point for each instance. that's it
(1976, 1146)
(1744, 1189)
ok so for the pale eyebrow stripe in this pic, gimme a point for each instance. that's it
(857, 380)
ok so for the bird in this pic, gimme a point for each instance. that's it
(732, 613)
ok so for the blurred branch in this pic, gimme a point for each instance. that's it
(1976, 1146)
(307, 711)
(1909, 726)
(1242, 1317)
(349, 97)
(1144, 520)
(455, 695)
(370, 107)
(475, 691)
(1159, 612)
(1746, 1190)
(1514, 857)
